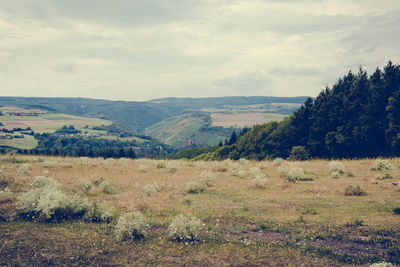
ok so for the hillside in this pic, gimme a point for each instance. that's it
(249, 213)
(157, 117)
(357, 117)
(188, 130)
(140, 115)
(39, 131)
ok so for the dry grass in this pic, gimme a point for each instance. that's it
(233, 208)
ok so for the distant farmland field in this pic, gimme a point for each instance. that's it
(45, 121)
(244, 119)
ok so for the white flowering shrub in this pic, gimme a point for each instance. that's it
(85, 185)
(336, 168)
(283, 171)
(49, 164)
(5, 178)
(43, 181)
(108, 188)
(255, 172)
(384, 166)
(185, 228)
(131, 226)
(206, 177)
(244, 161)
(161, 164)
(194, 187)
(151, 189)
(295, 174)
(278, 161)
(143, 168)
(6, 193)
(46, 202)
(382, 264)
(236, 170)
(24, 169)
(260, 182)
(99, 212)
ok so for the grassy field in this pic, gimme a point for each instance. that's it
(251, 214)
(46, 121)
(28, 142)
(242, 119)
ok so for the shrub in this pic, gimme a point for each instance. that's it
(98, 212)
(173, 170)
(173, 164)
(43, 181)
(244, 161)
(283, 171)
(99, 181)
(382, 264)
(131, 226)
(5, 193)
(46, 202)
(384, 165)
(160, 164)
(185, 228)
(5, 179)
(49, 164)
(255, 172)
(336, 167)
(194, 187)
(259, 182)
(278, 161)
(352, 190)
(206, 177)
(384, 176)
(107, 187)
(24, 169)
(295, 174)
(143, 168)
(220, 168)
(151, 189)
(236, 170)
(85, 185)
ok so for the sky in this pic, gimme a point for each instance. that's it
(137, 50)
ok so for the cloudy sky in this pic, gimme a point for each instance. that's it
(143, 49)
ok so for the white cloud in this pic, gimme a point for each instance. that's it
(137, 50)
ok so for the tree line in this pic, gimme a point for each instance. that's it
(358, 117)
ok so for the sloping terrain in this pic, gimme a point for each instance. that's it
(250, 213)
(140, 115)
(188, 130)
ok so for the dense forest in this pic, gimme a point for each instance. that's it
(358, 117)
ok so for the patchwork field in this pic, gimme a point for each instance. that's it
(39, 121)
(44, 121)
(268, 213)
(244, 119)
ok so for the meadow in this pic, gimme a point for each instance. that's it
(245, 213)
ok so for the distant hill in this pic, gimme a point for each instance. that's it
(142, 117)
(221, 102)
(135, 115)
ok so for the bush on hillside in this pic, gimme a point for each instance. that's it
(131, 226)
(295, 174)
(194, 187)
(185, 228)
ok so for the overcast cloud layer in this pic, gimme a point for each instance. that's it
(139, 50)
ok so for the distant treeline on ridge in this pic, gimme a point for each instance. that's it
(358, 117)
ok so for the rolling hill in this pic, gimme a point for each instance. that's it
(208, 120)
